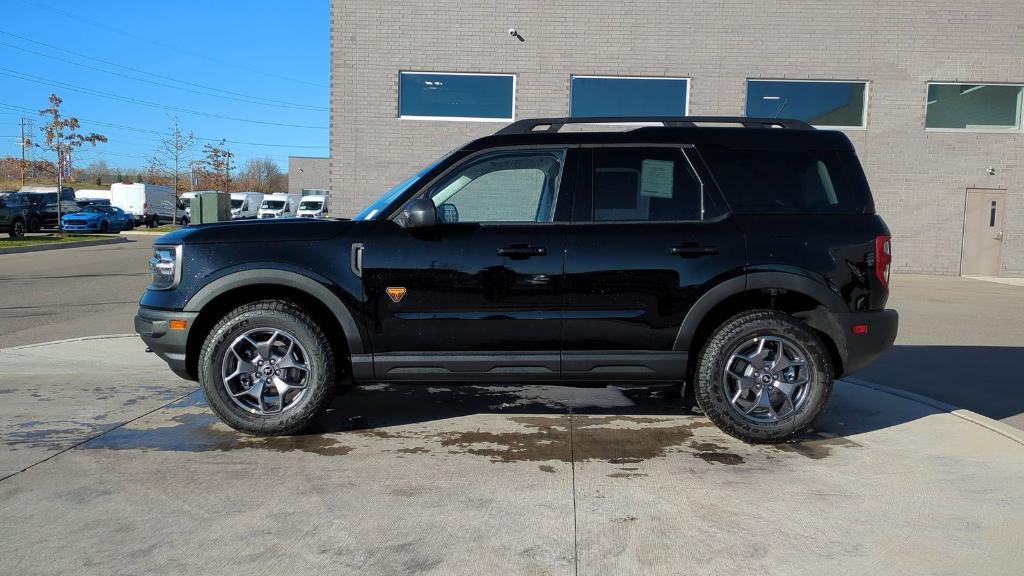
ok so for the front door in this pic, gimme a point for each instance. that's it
(482, 290)
(643, 246)
(983, 232)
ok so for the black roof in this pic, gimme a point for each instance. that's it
(732, 132)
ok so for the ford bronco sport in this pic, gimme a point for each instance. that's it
(739, 257)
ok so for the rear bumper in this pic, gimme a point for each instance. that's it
(862, 349)
(170, 345)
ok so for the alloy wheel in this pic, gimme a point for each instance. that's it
(265, 371)
(767, 378)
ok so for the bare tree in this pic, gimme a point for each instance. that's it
(260, 175)
(218, 164)
(169, 157)
(63, 138)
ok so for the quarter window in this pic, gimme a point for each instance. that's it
(645, 184)
(450, 96)
(973, 107)
(595, 96)
(820, 103)
(501, 187)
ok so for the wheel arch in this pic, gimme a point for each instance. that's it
(798, 295)
(238, 288)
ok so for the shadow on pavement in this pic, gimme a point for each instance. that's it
(988, 380)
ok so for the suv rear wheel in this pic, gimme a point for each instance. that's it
(34, 225)
(763, 376)
(267, 368)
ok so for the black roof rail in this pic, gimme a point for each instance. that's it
(532, 125)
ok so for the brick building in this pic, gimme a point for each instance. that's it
(930, 93)
(308, 173)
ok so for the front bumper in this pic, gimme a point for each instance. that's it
(859, 350)
(170, 345)
(73, 226)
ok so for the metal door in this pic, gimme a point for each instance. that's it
(984, 218)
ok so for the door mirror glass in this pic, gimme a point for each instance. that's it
(422, 214)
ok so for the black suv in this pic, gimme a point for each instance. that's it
(746, 261)
(20, 213)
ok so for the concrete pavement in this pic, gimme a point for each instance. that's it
(483, 480)
(961, 341)
(72, 292)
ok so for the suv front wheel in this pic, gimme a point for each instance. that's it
(267, 368)
(763, 376)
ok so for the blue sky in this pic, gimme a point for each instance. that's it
(254, 70)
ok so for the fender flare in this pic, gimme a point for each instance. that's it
(757, 280)
(314, 288)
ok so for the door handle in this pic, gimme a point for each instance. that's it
(522, 251)
(693, 250)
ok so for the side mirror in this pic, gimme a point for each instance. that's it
(422, 214)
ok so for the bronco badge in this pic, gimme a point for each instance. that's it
(396, 293)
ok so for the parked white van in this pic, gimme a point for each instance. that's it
(151, 204)
(279, 206)
(313, 207)
(245, 204)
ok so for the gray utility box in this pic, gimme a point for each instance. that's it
(210, 207)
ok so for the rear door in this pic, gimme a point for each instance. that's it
(650, 237)
(480, 294)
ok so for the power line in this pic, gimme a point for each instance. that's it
(22, 109)
(79, 18)
(237, 95)
(92, 92)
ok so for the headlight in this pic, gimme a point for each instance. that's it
(166, 267)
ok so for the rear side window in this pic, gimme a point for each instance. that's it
(789, 181)
(645, 184)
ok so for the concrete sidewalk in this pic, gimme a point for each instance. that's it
(484, 480)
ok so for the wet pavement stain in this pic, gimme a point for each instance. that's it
(720, 458)
(416, 450)
(626, 475)
(203, 433)
(547, 468)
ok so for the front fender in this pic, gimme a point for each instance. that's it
(308, 282)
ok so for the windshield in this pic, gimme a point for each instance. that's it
(237, 203)
(95, 209)
(310, 205)
(273, 204)
(373, 211)
(185, 202)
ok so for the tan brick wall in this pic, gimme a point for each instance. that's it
(919, 178)
(306, 172)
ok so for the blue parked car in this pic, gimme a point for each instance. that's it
(98, 219)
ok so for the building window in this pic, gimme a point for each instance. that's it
(820, 103)
(456, 96)
(973, 107)
(595, 96)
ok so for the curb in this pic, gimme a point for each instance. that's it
(66, 340)
(47, 247)
(1004, 430)
(142, 233)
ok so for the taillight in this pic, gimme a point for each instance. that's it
(883, 259)
(145, 208)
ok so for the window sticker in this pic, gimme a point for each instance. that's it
(656, 178)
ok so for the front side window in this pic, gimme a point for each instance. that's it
(596, 96)
(501, 187)
(973, 107)
(819, 103)
(645, 184)
(448, 96)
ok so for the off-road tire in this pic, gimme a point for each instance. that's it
(17, 229)
(710, 392)
(274, 314)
